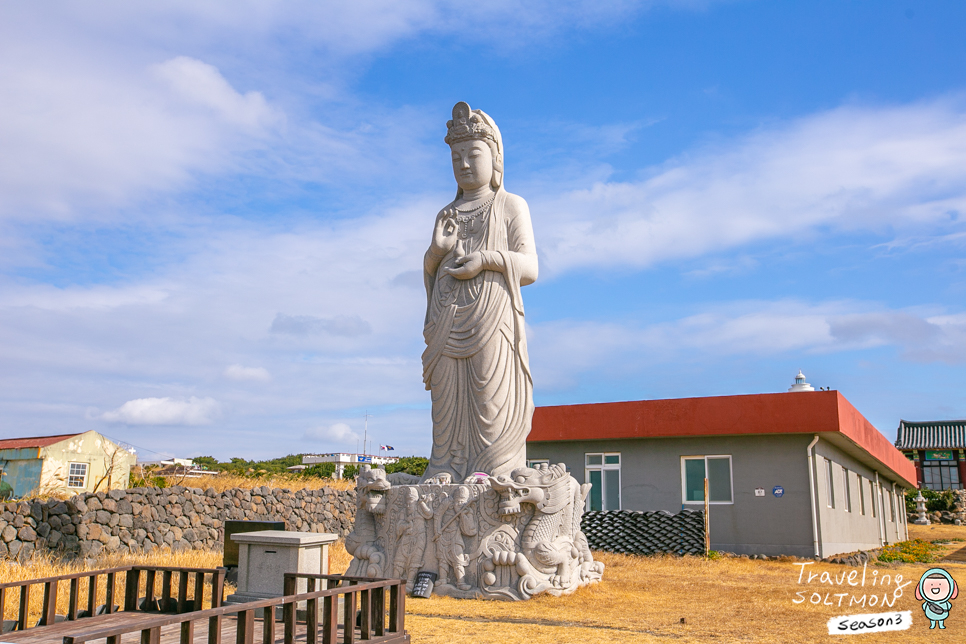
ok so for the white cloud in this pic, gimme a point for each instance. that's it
(930, 338)
(238, 372)
(203, 84)
(346, 325)
(337, 433)
(165, 411)
(110, 134)
(562, 350)
(107, 106)
(853, 168)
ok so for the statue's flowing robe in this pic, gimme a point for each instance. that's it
(476, 362)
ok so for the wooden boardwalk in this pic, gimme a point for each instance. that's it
(377, 606)
(55, 633)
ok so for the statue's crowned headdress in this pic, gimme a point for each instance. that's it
(476, 125)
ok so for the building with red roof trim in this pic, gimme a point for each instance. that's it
(800, 473)
(65, 463)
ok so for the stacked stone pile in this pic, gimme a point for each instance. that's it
(181, 518)
(958, 514)
(644, 533)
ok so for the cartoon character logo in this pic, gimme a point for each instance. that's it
(936, 590)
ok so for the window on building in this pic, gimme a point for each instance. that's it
(848, 490)
(533, 462)
(941, 475)
(603, 472)
(77, 475)
(892, 506)
(861, 489)
(829, 484)
(717, 469)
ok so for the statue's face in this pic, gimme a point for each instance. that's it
(472, 164)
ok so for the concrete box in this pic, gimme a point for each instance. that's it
(264, 557)
(232, 527)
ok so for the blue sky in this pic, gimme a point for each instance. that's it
(212, 215)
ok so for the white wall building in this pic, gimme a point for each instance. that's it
(341, 460)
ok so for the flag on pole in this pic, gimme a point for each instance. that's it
(388, 448)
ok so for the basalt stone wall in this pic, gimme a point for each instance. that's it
(180, 518)
(644, 533)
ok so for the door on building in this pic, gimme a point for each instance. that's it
(603, 472)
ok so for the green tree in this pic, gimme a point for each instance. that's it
(319, 470)
(350, 471)
(206, 462)
(935, 501)
(415, 465)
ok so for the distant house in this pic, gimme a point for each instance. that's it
(343, 459)
(70, 463)
(800, 473)
(936, 447)
(180, 467)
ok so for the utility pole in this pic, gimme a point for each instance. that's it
(365, 435)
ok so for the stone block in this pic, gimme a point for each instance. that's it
(59, 508)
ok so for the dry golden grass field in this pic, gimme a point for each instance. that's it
(39, 566)
(222, 482)
(643, 599)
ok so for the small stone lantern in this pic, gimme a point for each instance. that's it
(921, 518)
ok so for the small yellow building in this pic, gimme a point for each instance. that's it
(68, 463)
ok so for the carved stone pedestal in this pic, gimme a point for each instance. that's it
(497, 538)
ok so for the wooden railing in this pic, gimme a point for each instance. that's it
(367, 593)
(84, 602)
(371, 606)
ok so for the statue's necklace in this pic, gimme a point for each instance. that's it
(465, 218)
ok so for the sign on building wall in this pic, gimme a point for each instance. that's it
(945, 455)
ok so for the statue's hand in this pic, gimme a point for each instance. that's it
(444, 234)
(467, 267)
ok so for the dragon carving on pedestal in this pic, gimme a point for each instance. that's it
(369, 559)
(507, 537)
(551, 553)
